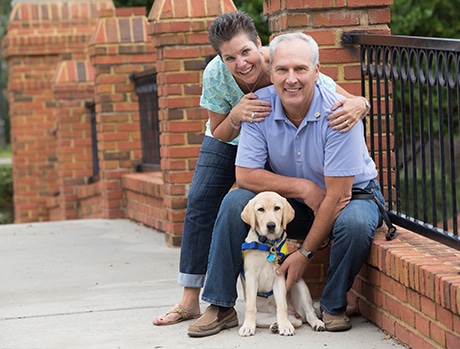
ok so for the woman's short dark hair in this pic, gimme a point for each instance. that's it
(228, 25)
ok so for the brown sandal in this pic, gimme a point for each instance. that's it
(177, 309)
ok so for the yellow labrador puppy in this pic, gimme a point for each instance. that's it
(266, 300)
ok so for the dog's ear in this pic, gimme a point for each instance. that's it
(248, 215)
(288, 213)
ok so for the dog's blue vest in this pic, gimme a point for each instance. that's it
(276, 253)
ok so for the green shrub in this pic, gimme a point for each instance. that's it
(6, 195)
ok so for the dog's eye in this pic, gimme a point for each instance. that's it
(277, 208)
(261, 209)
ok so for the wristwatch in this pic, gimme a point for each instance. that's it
(307, 254)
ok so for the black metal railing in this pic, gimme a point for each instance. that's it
(413, 84)
(92, 109)
(146, 90)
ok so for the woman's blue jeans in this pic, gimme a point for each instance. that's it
(214, 176)
(352, 235)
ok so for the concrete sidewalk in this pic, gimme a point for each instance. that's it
(5, 161)
(99, 283)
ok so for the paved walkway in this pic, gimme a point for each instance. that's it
(5, 161)
(98, 284)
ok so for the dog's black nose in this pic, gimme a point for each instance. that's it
(271, 226)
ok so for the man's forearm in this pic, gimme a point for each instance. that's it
(325, 218)
(321, 228)
(258, 180)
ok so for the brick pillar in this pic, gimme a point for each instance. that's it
(73, 86)
(119, 46)
(38, 34)
(180, 30)
(326, 21)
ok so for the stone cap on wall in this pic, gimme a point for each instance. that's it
(73, 76)
(123, 25)
(49, 28)
(48, 14)
(180, 9)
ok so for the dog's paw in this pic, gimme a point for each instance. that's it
(286, 329)
(246, 331)
(318, 326)
(274, 328)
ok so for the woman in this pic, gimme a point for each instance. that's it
(229, 81)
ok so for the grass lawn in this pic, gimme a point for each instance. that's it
(5, 153)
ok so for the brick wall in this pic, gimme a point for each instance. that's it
(144, 196)
(72, 87)
(180, 30)
(326, 22)
(89, 200)
(38, 35)
(410, 287)
(118, 47)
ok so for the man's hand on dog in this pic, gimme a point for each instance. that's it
(294, 266)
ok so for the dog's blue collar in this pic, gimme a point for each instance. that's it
(266, 244)
(254, 245)
(274, 242)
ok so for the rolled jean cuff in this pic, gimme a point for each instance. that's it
(219, 304)
(191, 280)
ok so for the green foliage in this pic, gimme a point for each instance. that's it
(5, 152)
(429, 18)
(420, 197)
(254, 9)
(6, 195)
(135, 3)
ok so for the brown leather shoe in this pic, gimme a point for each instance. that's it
(213, 321)
(336, 323)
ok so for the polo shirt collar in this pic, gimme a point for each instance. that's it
(313, 114)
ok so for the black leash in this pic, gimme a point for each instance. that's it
(361, 194)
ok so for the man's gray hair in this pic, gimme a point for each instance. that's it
(314, 50)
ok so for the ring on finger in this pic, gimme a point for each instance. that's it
(253, 116)
(348, 123)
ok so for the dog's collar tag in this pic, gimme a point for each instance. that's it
(273, 255)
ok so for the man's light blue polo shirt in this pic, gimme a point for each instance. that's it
(313, 150)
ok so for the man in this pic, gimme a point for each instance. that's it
(312, 165)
